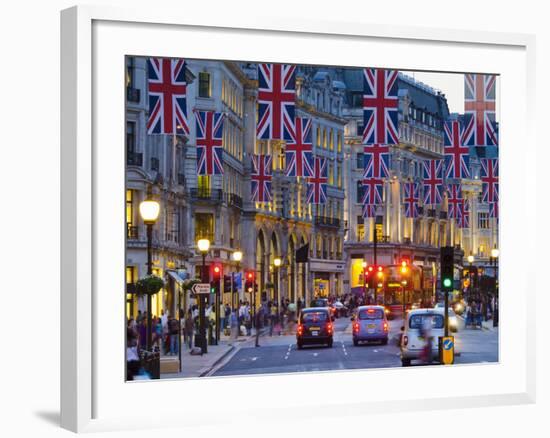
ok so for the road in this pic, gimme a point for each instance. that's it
(279, 354)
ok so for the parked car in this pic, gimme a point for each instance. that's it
(315, 326)
(413, 344)
(370, 324)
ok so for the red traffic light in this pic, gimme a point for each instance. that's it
(379, 268)
(216, 271)
(371, 268)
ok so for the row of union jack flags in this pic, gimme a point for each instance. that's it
(167, 90)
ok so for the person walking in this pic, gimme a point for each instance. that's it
(259, 321)
(234, 324)
(189, 328)
(173, 332)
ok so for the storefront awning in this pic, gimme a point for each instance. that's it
(175, 276)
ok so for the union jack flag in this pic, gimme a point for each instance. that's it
(454, 200)
(317, 183)
(369, 210)
(489, 179)
(299, 147)
(276, 96)
(463, 211)
(433, 181)
(380, 103)
(261, 178)
(167, 91)
(479, 108)
(377, 161)
(374, 191)
(209, 142)
(493, 210)
(411, 191)
(457, 158)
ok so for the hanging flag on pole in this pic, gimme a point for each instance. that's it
(480, 128)
(489, 179)
(457, 155)
(454, 200)
(317, 183)
(377, 161)
(299, 147)
(261, 178)
(380, 106)
(372, 196)
(412, 197)
(463, 214)
(433, 181)
(276, 99)
(167, 90)
(209, 142)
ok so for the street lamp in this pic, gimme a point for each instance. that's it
(277, 263)
(203, 245)
(494, 262)
(470, 261)
(149, 211)
(237, 256)
(403, 284)
(365, 264)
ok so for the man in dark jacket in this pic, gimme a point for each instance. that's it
(259, 320)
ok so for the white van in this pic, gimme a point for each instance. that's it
(412, 342)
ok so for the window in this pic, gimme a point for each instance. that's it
(131, 136)
(360, 160)
(417, 321)
(204, 84)
(331, 140)
(339, 142)
(371, 314)
(483, 220)
(360, 231)
(203, 183)
(360, 192)
(324, 138)
(130, 72)
(318, 135)
(204, 226)
(339, 172)
(330, 174)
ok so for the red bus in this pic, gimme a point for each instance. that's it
(398, 289)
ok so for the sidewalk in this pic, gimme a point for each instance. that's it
(199, 366)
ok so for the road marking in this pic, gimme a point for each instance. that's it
(344, 349)
(254, 358)
(376, 351)
(315, 354)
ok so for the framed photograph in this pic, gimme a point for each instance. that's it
(238, 212)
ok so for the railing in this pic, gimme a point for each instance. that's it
(407, 240)
(384, 239)
(235, 200)
(133, 94)
(325, 254)
(327, 221)
(206, 194)
(134, 158)
(338, 256)
(132, 232)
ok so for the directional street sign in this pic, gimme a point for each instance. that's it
(200, 288)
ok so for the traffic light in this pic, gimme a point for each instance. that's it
(249, 280)
(404, 267)
(216, 272)
(447, 268)
(227, 283)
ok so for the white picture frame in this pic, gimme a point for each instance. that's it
(93, 395)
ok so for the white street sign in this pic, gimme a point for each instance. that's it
(201, 288)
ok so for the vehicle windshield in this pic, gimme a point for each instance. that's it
(314, 317)
(417, 321)
(319, 303)
(371, 314)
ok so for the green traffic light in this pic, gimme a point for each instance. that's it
(447, 282)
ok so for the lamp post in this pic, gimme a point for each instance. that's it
(277, 263)
(149, 211)
(494, 262)
(365, 264)
(237, 256)
(470, 261)
(204, 246)
(403, 284)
